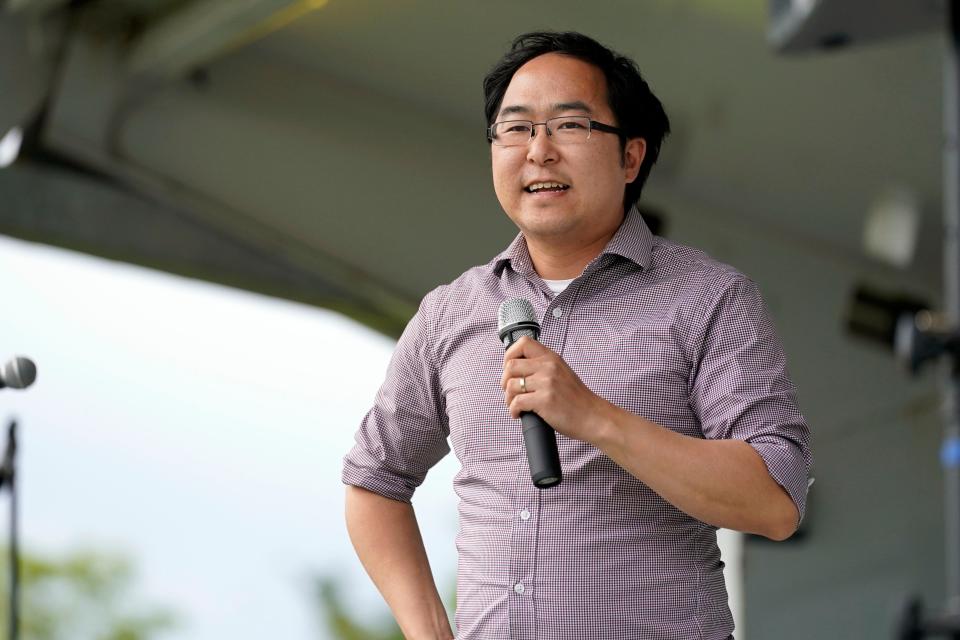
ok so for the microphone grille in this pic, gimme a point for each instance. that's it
(19, 373)
(514, 310)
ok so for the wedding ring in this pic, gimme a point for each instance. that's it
(523, 384)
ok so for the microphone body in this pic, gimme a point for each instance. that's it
(540, 441)
(517, 318)
(18, 373)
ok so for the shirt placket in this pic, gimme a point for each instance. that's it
(526, 536)
(523, 560)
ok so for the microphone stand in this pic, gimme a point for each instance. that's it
(8, 479)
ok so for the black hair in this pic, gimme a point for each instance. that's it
(638, 112)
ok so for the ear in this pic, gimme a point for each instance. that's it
(633, 154)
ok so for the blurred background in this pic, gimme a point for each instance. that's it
(217, 215)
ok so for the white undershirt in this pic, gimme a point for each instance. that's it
(558, 285)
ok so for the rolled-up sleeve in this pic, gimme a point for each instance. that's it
(741, 389)
(405, 433)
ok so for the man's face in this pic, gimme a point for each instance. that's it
(594, 172)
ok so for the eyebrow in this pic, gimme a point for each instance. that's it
(576, 105)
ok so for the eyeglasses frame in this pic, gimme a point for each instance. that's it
(599, 126)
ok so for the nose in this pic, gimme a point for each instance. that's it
(542, 149)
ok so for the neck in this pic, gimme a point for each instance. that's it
(554, 261)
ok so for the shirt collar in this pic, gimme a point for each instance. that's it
(632, 241)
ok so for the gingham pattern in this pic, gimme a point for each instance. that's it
(659, 329)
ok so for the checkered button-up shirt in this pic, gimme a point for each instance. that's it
(656, 328)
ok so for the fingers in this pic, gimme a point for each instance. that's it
(525, 347)
(517, 400)
(515, 369)
(517, 386)
(519, 359)
(540, 367)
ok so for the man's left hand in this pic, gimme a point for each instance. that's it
(553, 390)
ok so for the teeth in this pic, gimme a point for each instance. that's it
(545, 185)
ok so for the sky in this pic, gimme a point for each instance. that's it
(198, 430)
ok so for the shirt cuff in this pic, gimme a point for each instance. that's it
(388, 485)
(787, 466)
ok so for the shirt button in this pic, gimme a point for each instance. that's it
(518, 588)
(557, 312)
(524, 515)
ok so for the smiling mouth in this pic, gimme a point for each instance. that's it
(546, 187)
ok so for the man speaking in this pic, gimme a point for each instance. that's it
(658, 367)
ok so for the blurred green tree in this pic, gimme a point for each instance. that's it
(345, 625)
(82, 594)
(342, 624)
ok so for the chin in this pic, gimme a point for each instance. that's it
(545, 226)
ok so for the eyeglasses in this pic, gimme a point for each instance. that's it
(562, 130)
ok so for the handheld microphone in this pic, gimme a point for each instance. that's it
(516, 319)
(18, 373)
